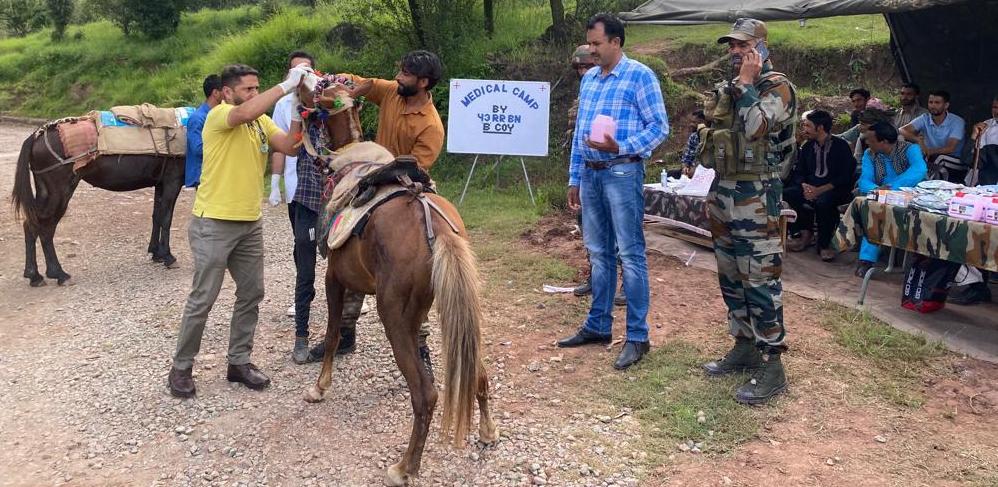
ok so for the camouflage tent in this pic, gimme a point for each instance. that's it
(939, 44)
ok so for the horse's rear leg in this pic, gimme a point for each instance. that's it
(157, 211)
(334, 305)
(487, 432)
(53, 269)
(402, 330)
(31, 257)
(171, 191)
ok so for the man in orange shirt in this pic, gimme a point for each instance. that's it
(408, 124)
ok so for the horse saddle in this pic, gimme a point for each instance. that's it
(403, 170)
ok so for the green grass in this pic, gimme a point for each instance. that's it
(827, 33)
(669, 389)
(898, 360)
(104, 67)
(496, 219)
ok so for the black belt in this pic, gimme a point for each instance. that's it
(600, 165)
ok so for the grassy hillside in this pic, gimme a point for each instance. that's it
(828, 33)
(100, 67)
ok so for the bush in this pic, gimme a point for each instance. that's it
(60, 13)
(157, 20)
(21, 17)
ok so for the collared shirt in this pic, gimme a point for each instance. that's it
(234, 161)
(282, 117)
(195, 146)
(904, 116)
(937, 136)
(311, 182)
(631, 96)
(990, 135)
(689, 157)
(403, 131)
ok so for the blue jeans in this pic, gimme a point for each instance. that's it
(868, 251)
(612, 212)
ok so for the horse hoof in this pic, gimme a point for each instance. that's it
(37, 282)
(157, 259)
(396, 476)
(488, 438)
(171, 263)
(313, 395)
(66, 281)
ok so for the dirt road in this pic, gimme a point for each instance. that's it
(83, 370)
(83, 399)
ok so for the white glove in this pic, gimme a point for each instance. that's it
(275, 189)
(295, 75)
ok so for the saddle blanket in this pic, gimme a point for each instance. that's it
(340, 226)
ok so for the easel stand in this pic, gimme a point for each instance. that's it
(495, 166)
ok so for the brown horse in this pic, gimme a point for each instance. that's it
(54, 185)
(396, 260)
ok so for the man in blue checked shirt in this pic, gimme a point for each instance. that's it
(606, 179)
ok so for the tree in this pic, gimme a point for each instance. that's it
(558, 26)
(155, 19)
(21, 17)
(60, 12)
(490, 16)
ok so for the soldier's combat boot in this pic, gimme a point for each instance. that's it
(743, 357)
(768, 381)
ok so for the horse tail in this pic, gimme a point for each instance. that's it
(455, 289)
(23, 197)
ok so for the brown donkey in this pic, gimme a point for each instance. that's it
(396, 260)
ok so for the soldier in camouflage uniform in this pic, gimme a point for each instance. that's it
(751, 146)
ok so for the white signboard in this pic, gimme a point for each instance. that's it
(498, 117)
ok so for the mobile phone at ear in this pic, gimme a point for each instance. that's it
(763, 50)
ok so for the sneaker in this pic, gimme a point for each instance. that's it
(583, 289)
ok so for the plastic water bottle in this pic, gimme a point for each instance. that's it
(665, 179)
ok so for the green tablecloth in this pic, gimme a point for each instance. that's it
(930, 234)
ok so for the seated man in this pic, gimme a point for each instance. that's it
(821, 180)
(940, 135)
(985, 137)
(910, 109)
(855, 135)
(858, 97)
(889, 163)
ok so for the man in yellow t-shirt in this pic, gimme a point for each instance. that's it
(408, 123)
(226, 232)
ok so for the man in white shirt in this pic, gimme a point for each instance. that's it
(281, 164)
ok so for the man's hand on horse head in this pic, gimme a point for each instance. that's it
(295, 77)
